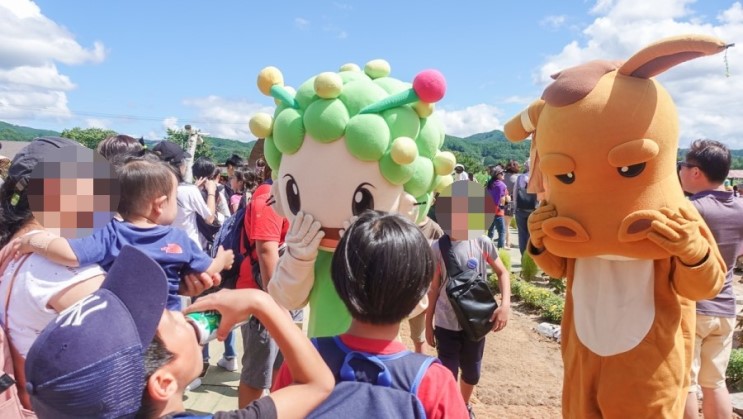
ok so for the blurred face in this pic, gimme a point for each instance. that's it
(235, 184)
(230, 171)
(463, 210)
(179, 337)
(75, 196)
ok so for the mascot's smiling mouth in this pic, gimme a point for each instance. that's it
(331, 239)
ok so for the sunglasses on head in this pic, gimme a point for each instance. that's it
(681, 164)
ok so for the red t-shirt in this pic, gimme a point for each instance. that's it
(261, 223)
(438, 391)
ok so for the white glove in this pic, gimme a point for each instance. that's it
(303, 238)
(294, 277)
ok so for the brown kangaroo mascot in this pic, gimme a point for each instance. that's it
(615, 222)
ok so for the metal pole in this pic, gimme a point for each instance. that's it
(194, 138)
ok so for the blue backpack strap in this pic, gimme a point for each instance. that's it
(348, 373)
(421, 373)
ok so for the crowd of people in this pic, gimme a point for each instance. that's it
(155, 254)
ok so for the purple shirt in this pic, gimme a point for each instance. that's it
(724, 216)
(497, 190)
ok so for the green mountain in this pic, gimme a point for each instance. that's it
(222, 148)
(485, 149)
(10, 132)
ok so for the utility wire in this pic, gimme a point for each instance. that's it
(119, 116)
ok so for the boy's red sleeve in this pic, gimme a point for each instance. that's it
(283, 379)
(440, 395)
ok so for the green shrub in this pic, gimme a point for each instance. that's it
(558, 285)
(735, 370)
(550, 306)
(529, 268)
(505, 257)
(493, 282)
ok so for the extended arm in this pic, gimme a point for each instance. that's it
(501, 314)
(313, 380)
(433, 295)
(54, 248)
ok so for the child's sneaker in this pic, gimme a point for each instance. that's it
(472, 411)
(229, 364)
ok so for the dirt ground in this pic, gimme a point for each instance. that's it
(521, 372)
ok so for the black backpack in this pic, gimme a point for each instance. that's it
(524, 200)
(386, 385)
(469, 294)
(232, 235)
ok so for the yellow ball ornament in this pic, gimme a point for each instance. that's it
(377, 68)
(261, 125)
(267, 78)
(350, 67)
(404, 151)
(328, 85)
(443, 163)
(423, 109)
(442, 182)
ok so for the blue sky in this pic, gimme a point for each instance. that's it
(138, 67)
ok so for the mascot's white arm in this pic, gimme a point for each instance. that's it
(295, 273)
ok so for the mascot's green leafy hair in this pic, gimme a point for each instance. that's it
(340, 144)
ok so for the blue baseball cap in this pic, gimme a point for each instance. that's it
(89, 361)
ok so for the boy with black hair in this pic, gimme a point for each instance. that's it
(702, 174)
(148, 207)
(381, 269)
(143, 368)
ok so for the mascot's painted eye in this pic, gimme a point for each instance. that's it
(292, 195)
(362, 199)
(631, 171)
(567, 178)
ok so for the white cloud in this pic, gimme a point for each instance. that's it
(97, 123)
(470, 120)
(518, 100)
(30, 45)
(225, 118)
(171, 122)
(709, 104)
(301, 23)
(554, 22)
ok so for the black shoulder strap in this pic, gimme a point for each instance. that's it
(447, 253)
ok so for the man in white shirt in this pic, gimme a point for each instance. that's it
(459, 173)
